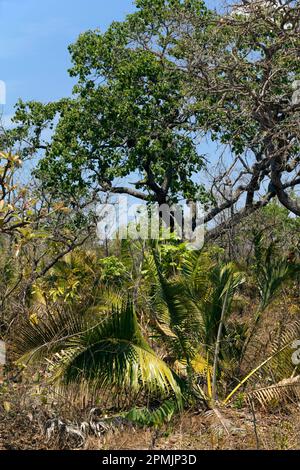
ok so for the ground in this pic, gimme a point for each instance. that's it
(24, 429)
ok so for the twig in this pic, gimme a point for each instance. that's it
(254, 423)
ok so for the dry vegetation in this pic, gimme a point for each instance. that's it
(139, 341)
(28, 407)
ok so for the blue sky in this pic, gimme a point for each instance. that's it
(34, 36)
(34, 40)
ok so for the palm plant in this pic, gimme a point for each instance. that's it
(111, 355)
(190, 312)
(103, 346)
(81, 278)
(112, 352)
(270, 273)
(270, 270)
(278, 369)
(230, 280)
(193, 309)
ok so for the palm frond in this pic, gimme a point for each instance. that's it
(153, 418)
(270, 270)
(278, 366)
(224, 282)
(110, 354)
(287, 390)
(110, 297)
(35, 340)
(176, 319)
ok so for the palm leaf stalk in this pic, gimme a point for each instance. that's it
(231, 280)
(282, 354)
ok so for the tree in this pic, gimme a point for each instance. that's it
(15, 210)
(245, 79)
(149, 89)
(129, 117)
(36, 231)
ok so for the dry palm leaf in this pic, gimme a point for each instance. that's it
(287, 390)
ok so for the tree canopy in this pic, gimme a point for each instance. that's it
(150, 90)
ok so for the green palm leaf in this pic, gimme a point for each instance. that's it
(110, 354)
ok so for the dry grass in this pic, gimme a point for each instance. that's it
(197, 432)
(22, 426)
(23, 430)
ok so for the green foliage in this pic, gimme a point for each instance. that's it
(224, 281)
(81, 277)
(112, 270)
(146, 91)
(184, 313)
(111, 355)
(153, 418)
(129, 113)
(270, 270)
(188, 308)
